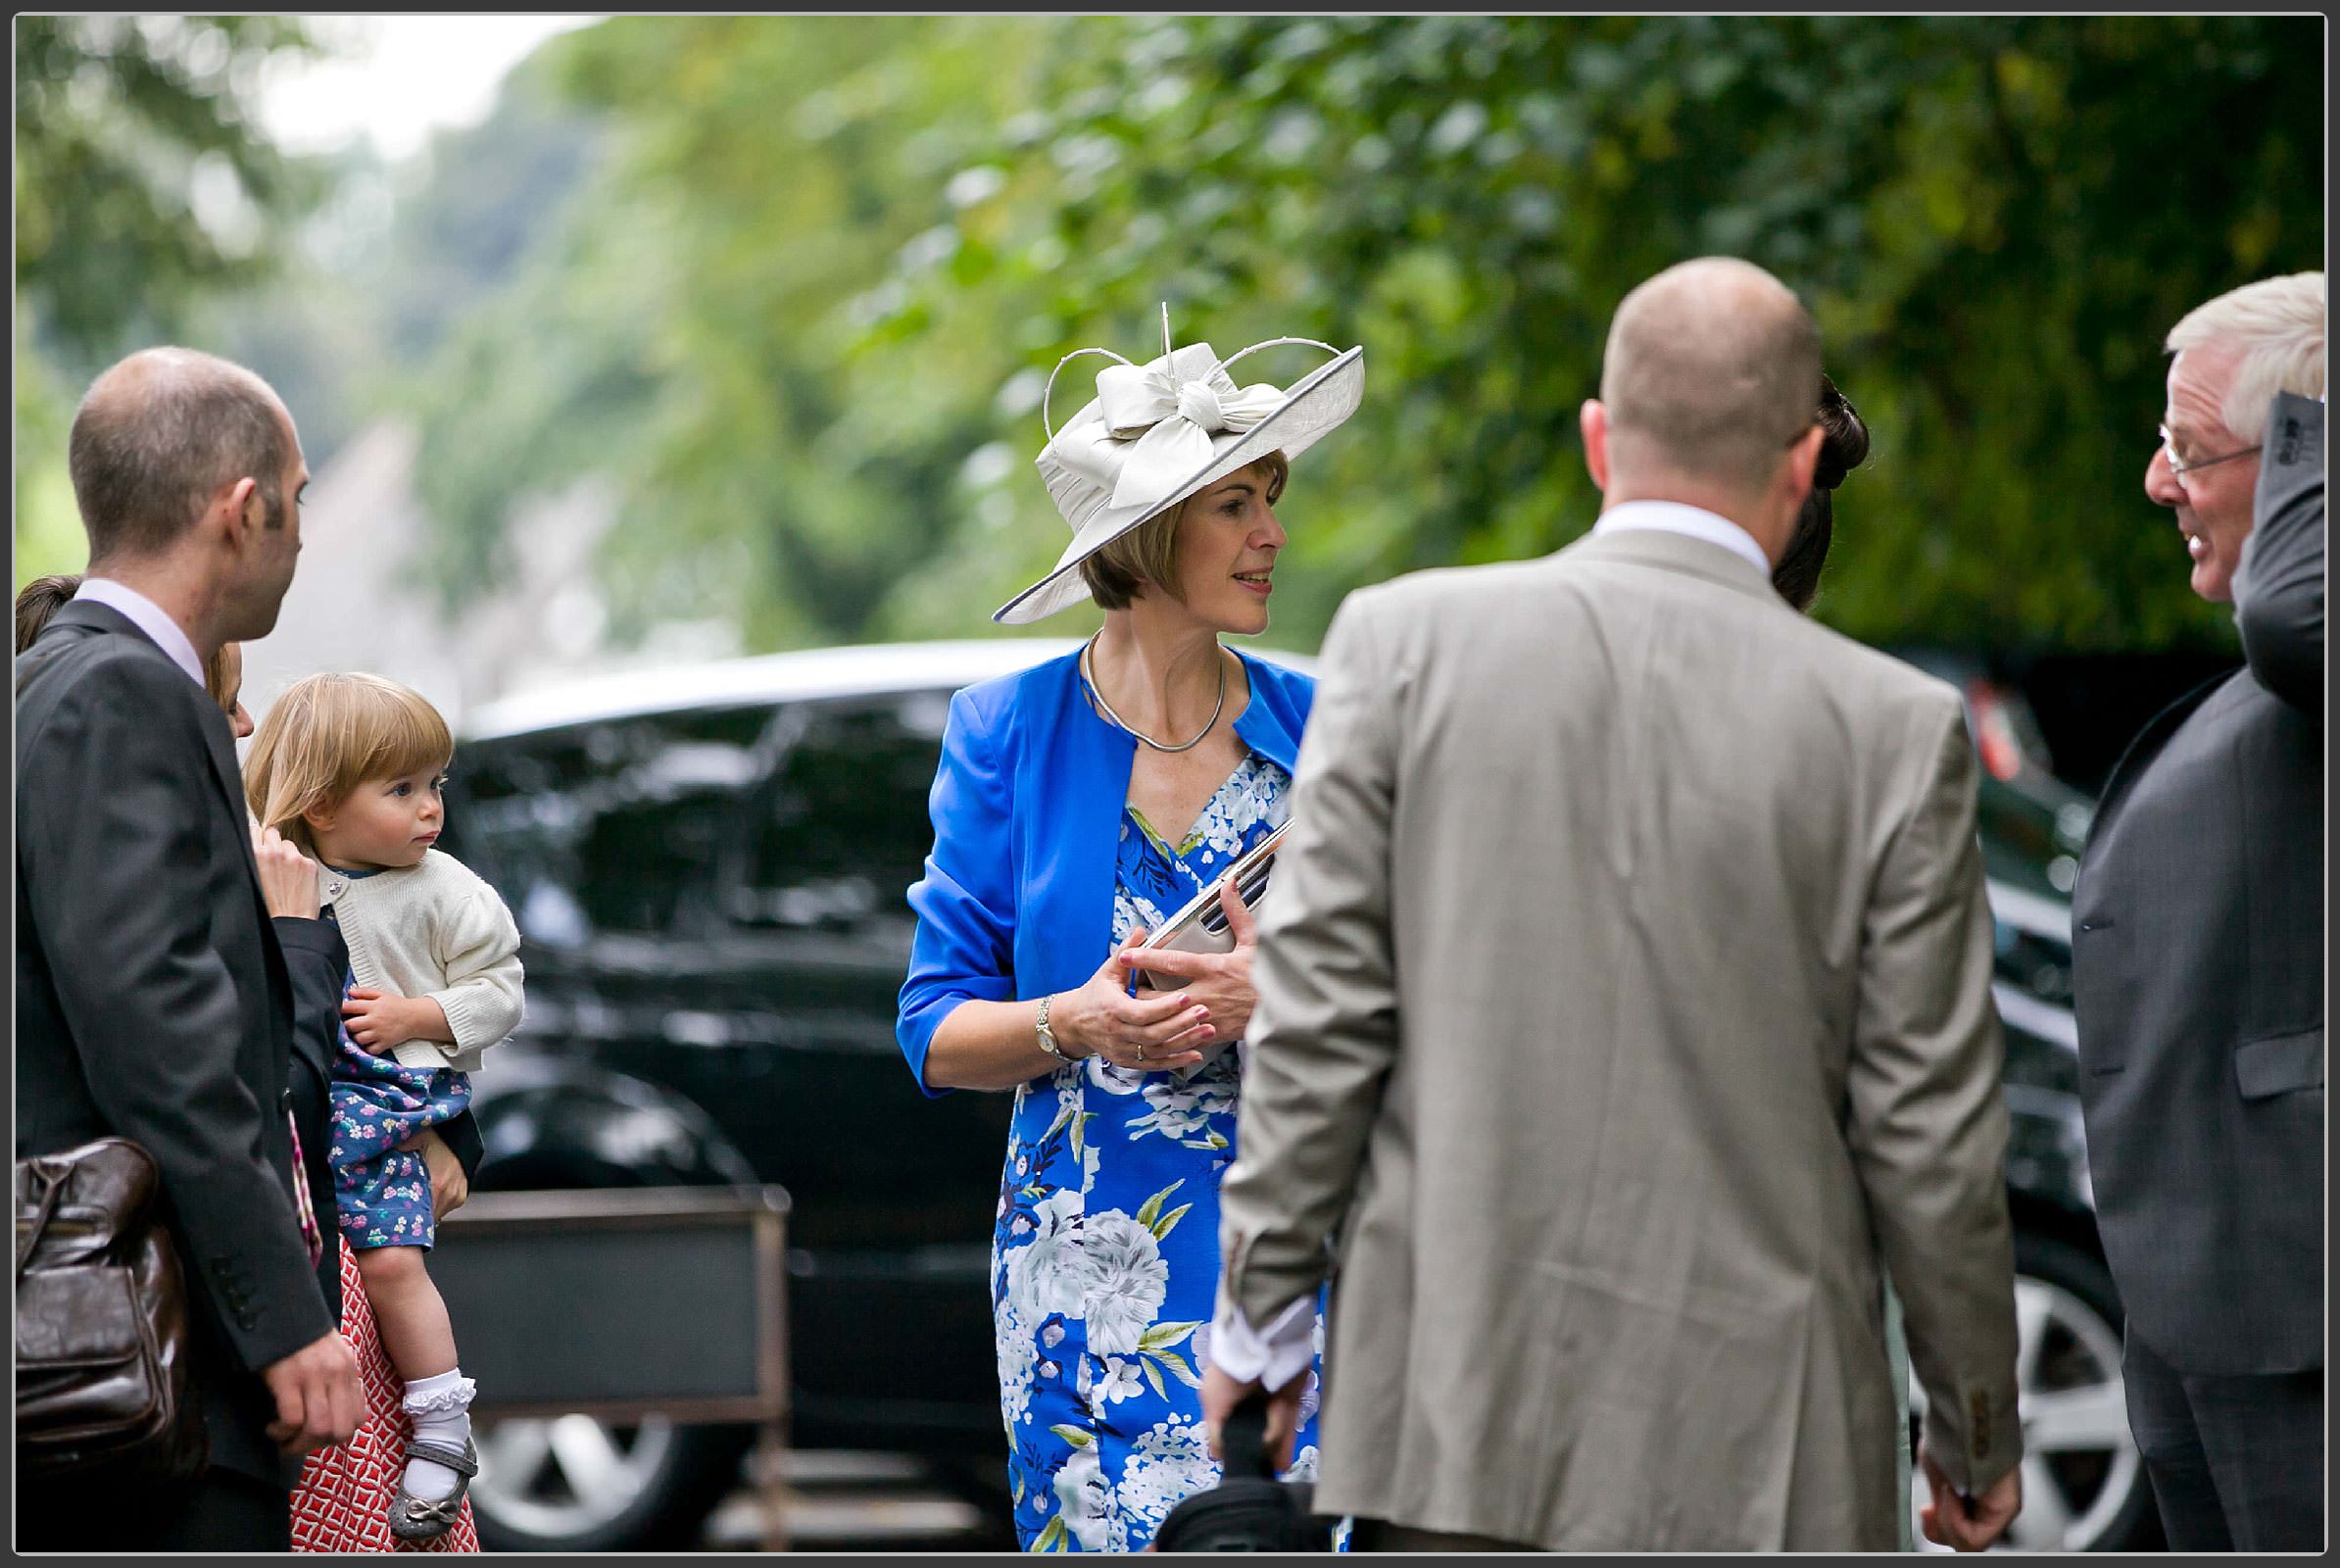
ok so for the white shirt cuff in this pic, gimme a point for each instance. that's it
(1271, 1359)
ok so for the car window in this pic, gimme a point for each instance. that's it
(622, 826)
(840, 831)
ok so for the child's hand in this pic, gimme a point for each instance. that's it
(381, 1022)
(449, 1185)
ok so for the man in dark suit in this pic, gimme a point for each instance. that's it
(2198, 961)
(153, 1001)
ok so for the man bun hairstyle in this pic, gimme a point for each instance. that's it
(1845, 442)
(158, 435)
(1844, 447)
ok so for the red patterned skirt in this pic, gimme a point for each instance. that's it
(343, 1503)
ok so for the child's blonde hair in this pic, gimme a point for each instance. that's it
(331, 733)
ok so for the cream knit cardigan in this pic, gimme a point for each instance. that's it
(433, 930)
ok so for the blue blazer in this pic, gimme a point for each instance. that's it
(1017, 899)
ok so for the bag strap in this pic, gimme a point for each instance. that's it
(52, 1178)
(1242, 1438)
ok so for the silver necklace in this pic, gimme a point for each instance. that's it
(1088, 679)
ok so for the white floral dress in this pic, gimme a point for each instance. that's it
(1106, 1255)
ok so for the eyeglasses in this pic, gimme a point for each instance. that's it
(2178, 469)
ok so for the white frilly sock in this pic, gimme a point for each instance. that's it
(441, 1409)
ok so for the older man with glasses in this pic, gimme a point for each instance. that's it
(2197, 958)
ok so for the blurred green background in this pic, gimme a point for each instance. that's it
(790, 287)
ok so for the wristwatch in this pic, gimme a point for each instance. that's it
(1039, 1027)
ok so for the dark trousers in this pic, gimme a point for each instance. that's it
(219, 1510)
(2237, 1462)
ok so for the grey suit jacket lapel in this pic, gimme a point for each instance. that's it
(2146, 745)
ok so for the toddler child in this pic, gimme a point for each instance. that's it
(349, 768)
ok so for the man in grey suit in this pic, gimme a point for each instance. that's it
(2197, 959)
(1623, 1007)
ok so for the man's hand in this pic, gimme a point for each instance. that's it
(287, 878)
(449, 1186)
(1950, 1521)
(1222, 1393)
(319, 1400)
(381, 1022)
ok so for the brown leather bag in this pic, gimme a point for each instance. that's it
(101, 1332)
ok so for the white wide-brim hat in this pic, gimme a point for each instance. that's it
(1157, 433)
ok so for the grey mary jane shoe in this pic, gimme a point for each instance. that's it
(413, 1518)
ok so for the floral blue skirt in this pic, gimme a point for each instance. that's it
(383, 1192)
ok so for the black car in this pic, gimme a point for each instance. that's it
(2084, 1482)
(708, 869)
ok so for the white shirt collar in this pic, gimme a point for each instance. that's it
(149, 618)
(1674, 516)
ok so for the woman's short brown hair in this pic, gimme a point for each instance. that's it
(1147, 555)
(38, 602)
(220, 680)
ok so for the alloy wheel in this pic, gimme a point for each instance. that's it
(568, 1476)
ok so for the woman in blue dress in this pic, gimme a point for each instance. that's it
(1077, 805)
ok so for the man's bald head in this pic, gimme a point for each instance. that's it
(1712, 370)
(158, 436)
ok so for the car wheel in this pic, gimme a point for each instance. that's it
(576, 1484)
(2084, 1482)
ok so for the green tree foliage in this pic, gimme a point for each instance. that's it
(500, 322)
(472, 210)
(48, 528)
(805, 314)
(121, 123)
(689, 328)
(143, 188)
(1994, 219)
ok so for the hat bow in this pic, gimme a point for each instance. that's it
(1154, 423)
(1168, 421)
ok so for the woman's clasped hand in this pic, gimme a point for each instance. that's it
(1156, 1031)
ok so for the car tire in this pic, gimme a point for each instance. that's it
(647, 1485)
(2084, 1482)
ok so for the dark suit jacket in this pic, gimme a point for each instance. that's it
(2198, 971)
(152, 999)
